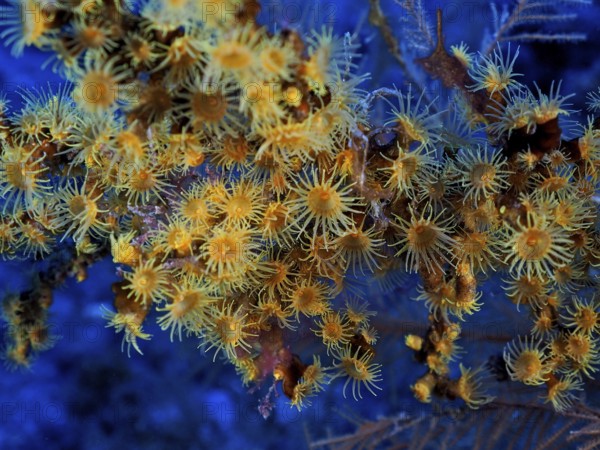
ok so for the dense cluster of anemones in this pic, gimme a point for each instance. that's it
(235, 178)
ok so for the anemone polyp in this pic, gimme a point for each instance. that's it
(324, 203)
(536, 247)
(526, 361)
(425, 238)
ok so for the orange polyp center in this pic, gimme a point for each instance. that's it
(579, 345)
(228, 329)
(306, 296)
(355, 241)
(332, 331)
(180, 309)
(142, 181)
(224, 251)
(16, 175)
(323, 201)
(482, 174)
(406, 167)
(528, 364)
(195, 209)
(587, 319)
(533, 244)
(545, 322)
(239, 207)
(474, 243)
(93, 37)
(145, 281)
(140, 49)
(99, 89)
(77, 205)
(233, 56)
(495, 81)
(236, 149)
(563, 274)
(355, 368)
(209, 107)
(529, 287)
(421, 235)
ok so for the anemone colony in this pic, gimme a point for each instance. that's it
(238, 181)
